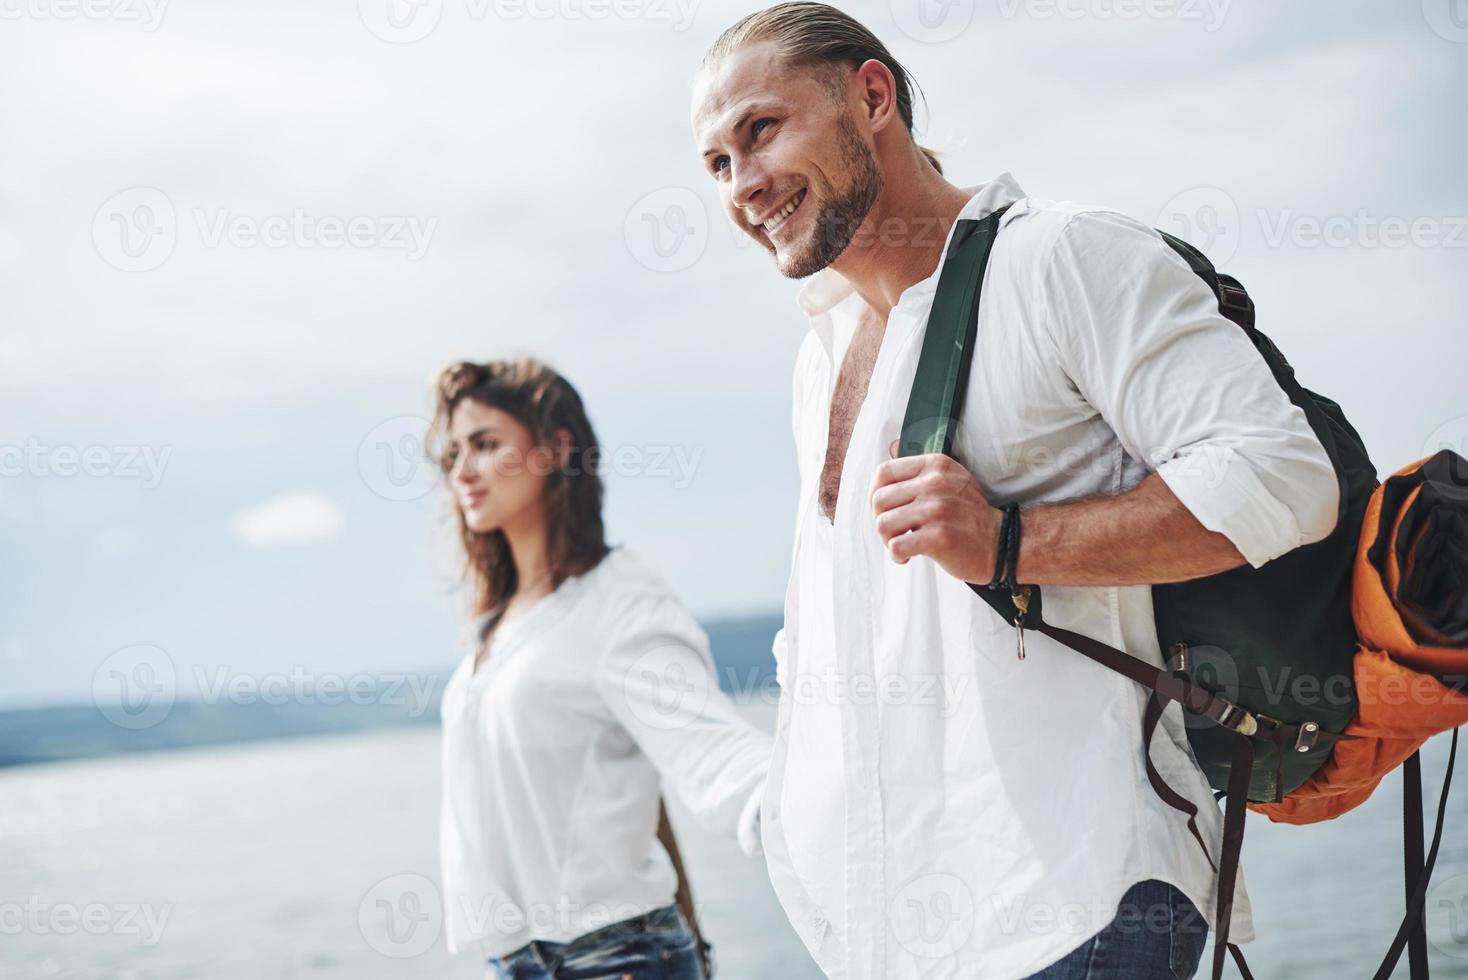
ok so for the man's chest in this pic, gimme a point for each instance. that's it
(847, 397)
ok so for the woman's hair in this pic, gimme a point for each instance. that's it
(821, 38)
(544, 402)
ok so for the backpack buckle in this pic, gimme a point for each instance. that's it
(1309, 735)
(1237, 719)
(1178, 661)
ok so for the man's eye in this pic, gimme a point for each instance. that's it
(755, 128)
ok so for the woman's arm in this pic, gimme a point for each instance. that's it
(658, 679)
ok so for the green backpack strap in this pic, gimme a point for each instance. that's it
(944, 366)
(948, 343)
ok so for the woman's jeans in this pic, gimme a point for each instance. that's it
(1157, 935)
(655, 946)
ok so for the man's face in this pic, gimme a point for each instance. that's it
(794, 172)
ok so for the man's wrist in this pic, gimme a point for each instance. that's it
(1006, 550)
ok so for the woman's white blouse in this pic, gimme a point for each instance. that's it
(553, 752)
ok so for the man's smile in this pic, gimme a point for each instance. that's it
(778, 218)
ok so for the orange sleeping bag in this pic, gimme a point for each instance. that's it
(1410, 605)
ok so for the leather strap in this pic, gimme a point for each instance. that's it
(1412, 861)
(1241, 766)
(685, 892)
(1175, 686)
(1170, 796)
(1418, 897)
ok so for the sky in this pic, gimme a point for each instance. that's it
(238, 239)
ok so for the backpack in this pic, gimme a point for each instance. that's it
(1291, 618)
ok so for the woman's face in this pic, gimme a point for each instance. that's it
(496, 472)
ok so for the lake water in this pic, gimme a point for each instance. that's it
(276, 860)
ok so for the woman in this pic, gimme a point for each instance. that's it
(587, 685)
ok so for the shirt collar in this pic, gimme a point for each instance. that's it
(828, 289)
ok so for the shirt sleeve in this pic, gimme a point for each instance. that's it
(658, 679)
(779, 647)
(1183, 387)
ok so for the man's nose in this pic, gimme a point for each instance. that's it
(750, 180)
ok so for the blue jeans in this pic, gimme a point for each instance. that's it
(1157, 935)
(657, 945)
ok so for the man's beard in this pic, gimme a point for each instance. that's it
(837, 223)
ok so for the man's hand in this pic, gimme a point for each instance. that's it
(930, 505)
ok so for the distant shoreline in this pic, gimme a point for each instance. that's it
(31, 735)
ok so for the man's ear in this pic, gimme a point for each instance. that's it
(877, 88)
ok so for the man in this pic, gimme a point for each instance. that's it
(937, 806)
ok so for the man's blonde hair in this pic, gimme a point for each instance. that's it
(821, 38)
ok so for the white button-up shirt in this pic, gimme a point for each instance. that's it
(937, 807)
(553, 752)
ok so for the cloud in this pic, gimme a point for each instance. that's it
(298, 518)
